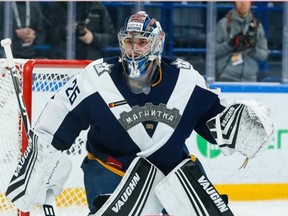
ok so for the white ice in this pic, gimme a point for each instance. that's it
(257, 208)
(260, 208)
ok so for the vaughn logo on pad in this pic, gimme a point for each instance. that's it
(133, 194)
(127, 193)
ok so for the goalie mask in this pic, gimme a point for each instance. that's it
(141, 42)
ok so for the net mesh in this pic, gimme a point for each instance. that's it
(48, 77)
(10, 135)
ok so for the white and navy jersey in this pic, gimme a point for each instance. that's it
(123, 125)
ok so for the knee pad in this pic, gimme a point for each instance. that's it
(187, 191)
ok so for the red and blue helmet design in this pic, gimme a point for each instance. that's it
(141, 41)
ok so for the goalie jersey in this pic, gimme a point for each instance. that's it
(123, 125)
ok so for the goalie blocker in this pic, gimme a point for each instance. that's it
(186, 191)
(41, 170)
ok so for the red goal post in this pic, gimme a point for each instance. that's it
(40, 79)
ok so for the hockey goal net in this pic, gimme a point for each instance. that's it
(39, 79)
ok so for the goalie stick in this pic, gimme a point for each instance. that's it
(30, 154)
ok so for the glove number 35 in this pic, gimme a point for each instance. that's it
(72, 92)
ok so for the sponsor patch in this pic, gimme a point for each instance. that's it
(117, 103)
(134, 26)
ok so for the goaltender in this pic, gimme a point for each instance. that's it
(140, 108)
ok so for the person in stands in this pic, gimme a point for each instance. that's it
(94, 29)
(27, 28)
(240, 45)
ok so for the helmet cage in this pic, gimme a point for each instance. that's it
(138, 60)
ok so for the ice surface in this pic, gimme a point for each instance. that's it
(260, 208)
(257, 208)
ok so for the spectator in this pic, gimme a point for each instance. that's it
(94, 29)
(27, 28)
(240, 44)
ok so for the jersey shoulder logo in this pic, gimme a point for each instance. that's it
(102, 68)
(181, 64)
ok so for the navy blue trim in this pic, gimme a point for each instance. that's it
(251, 88)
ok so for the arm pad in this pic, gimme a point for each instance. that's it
(245, 127)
